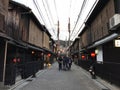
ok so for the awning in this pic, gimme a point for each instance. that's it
(34, 47)
(48, 51)
(2, 35)
(102, 41)
(17, 45)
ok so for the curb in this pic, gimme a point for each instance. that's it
(26, 80)
(104, 85)
(19, 83)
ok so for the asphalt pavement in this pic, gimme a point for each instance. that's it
(53, 79)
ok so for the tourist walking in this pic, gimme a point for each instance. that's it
(70, 63)
(60, 60)
(66, 63)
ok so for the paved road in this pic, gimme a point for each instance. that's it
(53, 79)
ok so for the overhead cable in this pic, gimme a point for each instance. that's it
(56, 10)
(39, 11)
(91, 10)
(49, 11)
(47, 15)
(86, 17)
(83, 4)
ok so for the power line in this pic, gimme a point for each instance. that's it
(86, 17)
(91, 10)
(51, 14)
(49, 11)
(51, 17)
(78, 31)
(47, 15)
(46, 11)
(39, 11)
(56, 10)
(83, 4)
(58, 31)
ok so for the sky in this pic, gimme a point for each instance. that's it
(49, 12)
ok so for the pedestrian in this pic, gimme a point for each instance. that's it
(60, 60)
(66, 61)
(70, 62)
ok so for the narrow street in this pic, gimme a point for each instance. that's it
(53, 79)
(36, 33)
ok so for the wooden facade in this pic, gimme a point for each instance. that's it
(85, 37)
(98, 37)
(74, 49)
(23, 25)
(35, 34)
(46, 39)
(98, 23)
(24, 42)
(3, 15)
(17, 22)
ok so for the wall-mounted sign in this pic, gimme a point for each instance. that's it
(117, 43)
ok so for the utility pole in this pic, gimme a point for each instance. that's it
(58, 32)
(69, 32)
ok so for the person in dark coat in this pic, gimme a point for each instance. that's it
(70, 63)
(60, 60)
(66, 62)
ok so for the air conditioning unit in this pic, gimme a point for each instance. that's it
(114, 22)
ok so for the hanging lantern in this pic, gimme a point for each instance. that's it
(83, 56)
(93, 54)
(49, 55)
(33, 52)
(18, 60)
(14, 60)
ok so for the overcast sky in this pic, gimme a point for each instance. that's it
(50, 11)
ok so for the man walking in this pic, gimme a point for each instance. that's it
(60, 60)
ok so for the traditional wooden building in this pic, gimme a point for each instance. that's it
(3, 16)
(74, 49)
(24, 43)
(100, 40)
